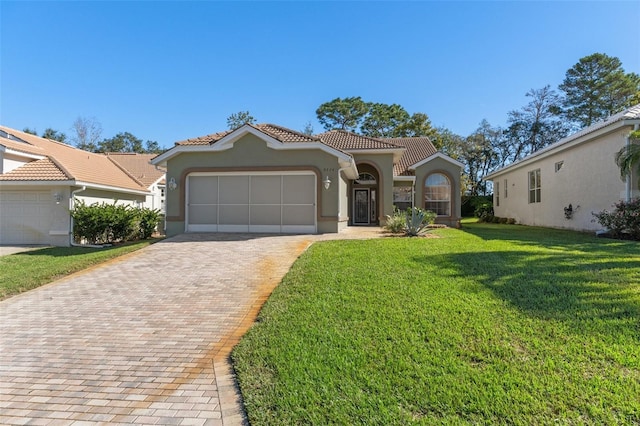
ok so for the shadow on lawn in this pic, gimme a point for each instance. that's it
(587, 291)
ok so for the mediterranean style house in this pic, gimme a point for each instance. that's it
(40, 179)
(267, 178)
(561, 185)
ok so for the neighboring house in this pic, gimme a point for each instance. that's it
(577, 172)
(266, 178)
(153, 178)
(40, 179)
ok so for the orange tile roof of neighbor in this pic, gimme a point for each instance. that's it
(76, 164)
(38, 170)
(138, 166)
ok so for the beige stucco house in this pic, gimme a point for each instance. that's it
(578, 173)
(266, 178)
(40, 179)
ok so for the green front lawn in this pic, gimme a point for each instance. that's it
(492, 324)
(24, 271)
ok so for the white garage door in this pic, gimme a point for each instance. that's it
(25, 217)
(254, 202)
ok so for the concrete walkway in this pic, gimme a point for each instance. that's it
(146, 338)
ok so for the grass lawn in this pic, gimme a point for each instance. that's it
(492, 324)
(24, 271)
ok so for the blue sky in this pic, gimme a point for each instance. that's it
(167, 71)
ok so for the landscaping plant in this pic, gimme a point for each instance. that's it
(623, 221)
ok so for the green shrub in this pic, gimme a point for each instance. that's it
(484, 211)
(108, 223)
(148, 222)
(511, 221)
(395, 222)
(623, 220)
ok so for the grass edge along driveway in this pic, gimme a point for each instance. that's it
(25, 271)
(492, 324)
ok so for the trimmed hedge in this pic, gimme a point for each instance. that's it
(109, 223)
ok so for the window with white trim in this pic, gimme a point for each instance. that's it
(534, 186)
(437, 194)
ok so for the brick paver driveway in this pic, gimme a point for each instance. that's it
(143, 339)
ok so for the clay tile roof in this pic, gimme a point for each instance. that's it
(79, 165)
(417, 149)
(138, 166)
(285, 135)
(341, 139)
(279, 133)
(39, 170)
(21, 146)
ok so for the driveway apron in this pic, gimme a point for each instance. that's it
(143, 339)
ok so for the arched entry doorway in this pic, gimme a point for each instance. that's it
(365, 196)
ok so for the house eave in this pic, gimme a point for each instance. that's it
(397, 152)
(404, 178)
(563, 145)
(6, 150)
(433, 157)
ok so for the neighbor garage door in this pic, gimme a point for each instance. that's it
(25, 217)
(251, 202)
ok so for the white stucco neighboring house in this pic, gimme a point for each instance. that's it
(40, 179)
(561, 185)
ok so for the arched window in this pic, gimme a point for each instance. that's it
(437, 194)
(366, 179)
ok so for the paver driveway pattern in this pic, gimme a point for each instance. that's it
(144, 339)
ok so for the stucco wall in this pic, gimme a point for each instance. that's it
(589, 180)
(252, 153)
(452, 171)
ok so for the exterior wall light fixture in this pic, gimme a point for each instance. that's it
(57, 197)
(172, 184)
(326, 182)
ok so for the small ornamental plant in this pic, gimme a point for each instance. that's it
(623, 221)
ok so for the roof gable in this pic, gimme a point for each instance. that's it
(347, 141)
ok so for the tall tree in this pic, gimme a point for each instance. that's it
(238, 119)
(308, 129)
(344, 114)
(152, 147)
(384, 121)
(447, 142)
(418, 124)
(55, 135)
(479, 154)
(534, 126)
(30, 131)
(597, 87)
(87, 133)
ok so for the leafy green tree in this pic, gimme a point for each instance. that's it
(344, 114)
(534, 126)
(447, 142)
(87, 132)
(122, 142)
(55, 135)
(239, 119)
(418, 124)
(479, 154)
(152, 147)
(597, 87)
(384, 121)
(30, 131)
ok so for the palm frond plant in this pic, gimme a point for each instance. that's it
(629, 156)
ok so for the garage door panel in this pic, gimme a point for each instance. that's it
(298, 215)
(234, 215)
(298, 189)
(234, 190)
(265, 215)
(266, 189)
(202, 214)
(204, 189)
